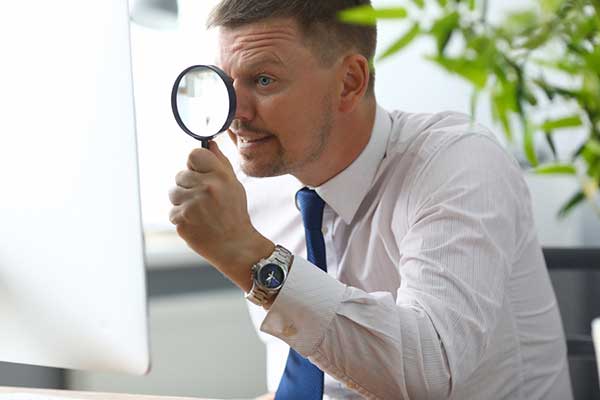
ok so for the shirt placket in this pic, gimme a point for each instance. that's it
(327, 229)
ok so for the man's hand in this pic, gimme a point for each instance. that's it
(211, 214)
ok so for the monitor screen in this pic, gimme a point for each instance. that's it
(72, 278)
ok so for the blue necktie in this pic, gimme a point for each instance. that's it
(301, 379)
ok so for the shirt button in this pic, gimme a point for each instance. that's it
(324, 230)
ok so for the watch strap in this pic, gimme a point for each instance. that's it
(259, 294)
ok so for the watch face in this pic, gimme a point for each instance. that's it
(271, 276)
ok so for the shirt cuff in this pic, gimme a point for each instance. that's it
(304, 307)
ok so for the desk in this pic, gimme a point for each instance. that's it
(89, 395)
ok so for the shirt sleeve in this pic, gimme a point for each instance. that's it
(454, 264)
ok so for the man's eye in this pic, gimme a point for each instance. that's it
(264, 80)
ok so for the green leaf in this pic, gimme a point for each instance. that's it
(505, 122)
(529, 96)
(570, 66)
(593, 146)
(566, 122)
(550, 6)
(479, 43)
(520, 23)
(528, 144)
(402, 42)
(472, 5)
(537, 39)
(475, 71)
(509, 90)
(443, 28)
(587, 28)
(591, 81)
(565, 169)
(597, 8)
(551, 144)
(520, 93)
(594, 173)
(419, 3)
(593, 60)
(504, 100)
(547, 89)
(391, 13)
(572, 202)
(367, 15)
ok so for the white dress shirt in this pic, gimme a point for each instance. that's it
(436, 284)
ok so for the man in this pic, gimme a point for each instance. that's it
(423, 276)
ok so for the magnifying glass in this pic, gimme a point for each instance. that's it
(203, 102)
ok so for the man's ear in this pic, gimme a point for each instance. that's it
(354, 81)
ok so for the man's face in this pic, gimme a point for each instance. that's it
(284, 97)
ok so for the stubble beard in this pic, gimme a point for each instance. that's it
(280, 164)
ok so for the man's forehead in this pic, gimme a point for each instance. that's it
(276, 31)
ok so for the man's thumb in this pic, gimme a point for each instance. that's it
(214, 148)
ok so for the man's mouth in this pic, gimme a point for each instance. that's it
(248, 142)
(252, 140)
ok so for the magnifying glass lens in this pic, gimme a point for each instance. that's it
(203, 101)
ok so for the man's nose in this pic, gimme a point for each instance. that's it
(245, 107)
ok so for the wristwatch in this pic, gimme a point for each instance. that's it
(268, 276)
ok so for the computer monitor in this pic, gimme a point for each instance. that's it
(596, 340)
(72, 278)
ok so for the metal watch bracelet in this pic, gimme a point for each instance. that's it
(259, 294)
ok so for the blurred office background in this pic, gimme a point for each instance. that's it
(202, 339)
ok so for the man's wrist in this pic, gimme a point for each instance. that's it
(244, 256)
(269, 276)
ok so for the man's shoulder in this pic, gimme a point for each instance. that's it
(417, 140)
(423, 134)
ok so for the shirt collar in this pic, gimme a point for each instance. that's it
(345, 191)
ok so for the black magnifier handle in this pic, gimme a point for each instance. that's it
(204, 144)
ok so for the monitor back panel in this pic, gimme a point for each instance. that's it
(72, 279)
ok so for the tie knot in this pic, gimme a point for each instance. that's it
(311, 207)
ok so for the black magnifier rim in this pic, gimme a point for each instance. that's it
(232, 101)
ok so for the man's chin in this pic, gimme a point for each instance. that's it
(257, 170)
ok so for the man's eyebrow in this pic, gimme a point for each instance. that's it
(264, 61)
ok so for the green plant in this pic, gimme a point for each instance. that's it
(538, 57)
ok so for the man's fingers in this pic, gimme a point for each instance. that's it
(176, 215)
(203, 161)
(214, 148)
(178, 195)
(209, 160)
(188, 179)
